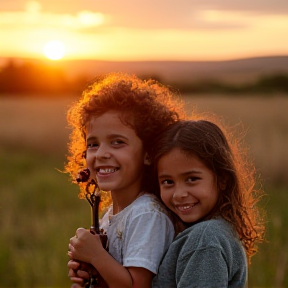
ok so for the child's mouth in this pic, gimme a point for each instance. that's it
(106, 170)
(185, 207)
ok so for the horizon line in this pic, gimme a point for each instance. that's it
(121, 61)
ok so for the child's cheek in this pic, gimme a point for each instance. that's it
(166, 198)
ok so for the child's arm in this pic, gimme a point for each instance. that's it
(88, 248)
(141, 277)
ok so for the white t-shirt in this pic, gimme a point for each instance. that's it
(140, 234)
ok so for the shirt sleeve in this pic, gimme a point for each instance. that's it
(147, 239)
(205, 267)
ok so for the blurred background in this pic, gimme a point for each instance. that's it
(228, 57)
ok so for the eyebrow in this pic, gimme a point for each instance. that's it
(110, 136)
(182, 174)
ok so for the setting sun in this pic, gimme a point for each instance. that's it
(54, 50)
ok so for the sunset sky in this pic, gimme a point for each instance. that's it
(145, 29)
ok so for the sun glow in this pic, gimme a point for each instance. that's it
(54, 50)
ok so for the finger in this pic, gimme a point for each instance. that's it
(71, 250)
(83, 274)
(80, 231)
(72, 273)
(73, 264)
(77, 281)
(75, 285)
(72, 240)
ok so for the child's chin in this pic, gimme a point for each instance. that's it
(105, 187)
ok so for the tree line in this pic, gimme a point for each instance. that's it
(29, 78)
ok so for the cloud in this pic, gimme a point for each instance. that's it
(35, 17)
(173, 14)
(276, 7)
(88, 16)
(169, 29)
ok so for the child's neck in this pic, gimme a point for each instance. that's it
(121, 201)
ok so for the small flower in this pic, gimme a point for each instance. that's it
(83, 175)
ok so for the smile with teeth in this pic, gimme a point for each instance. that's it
(185, 206)
(107, 170)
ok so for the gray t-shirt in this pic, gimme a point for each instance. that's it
(140, 234)
(207, 254)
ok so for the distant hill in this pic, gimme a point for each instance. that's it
(237, 71)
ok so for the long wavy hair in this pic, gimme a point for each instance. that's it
(224, 154)
(147, 106)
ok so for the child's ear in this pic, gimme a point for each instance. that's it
(147, 160)
(223, 182)
(222, 185)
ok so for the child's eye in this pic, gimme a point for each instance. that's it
(192, 179)
(117, 142)
(92, 145)
(166, 182)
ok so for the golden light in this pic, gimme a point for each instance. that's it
(54, 50)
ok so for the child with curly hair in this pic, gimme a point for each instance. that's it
(205, 180)
(115, 123)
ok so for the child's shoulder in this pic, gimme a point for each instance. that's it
(213, 226)
(209, 232)
(147, 203)
(145, 210)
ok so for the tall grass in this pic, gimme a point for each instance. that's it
(39, 212)
(39, 208)
(270, 265)
(265, 120)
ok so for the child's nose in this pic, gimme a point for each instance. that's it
(103, 153)
(180, 193)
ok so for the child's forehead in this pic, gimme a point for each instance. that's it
(112, 115)
(111, 120)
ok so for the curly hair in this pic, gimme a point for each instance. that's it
(227, 159)
(147, 106)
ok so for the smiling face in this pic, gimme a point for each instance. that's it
(115, 154)
(187, 186)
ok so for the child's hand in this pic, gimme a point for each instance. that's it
(85, 246)
(74, 285)
(76, 276)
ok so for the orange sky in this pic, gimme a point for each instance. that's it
(141, 30)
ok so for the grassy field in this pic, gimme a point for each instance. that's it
(39, 208)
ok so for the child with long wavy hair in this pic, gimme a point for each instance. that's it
(114, 125)
(205, 179)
